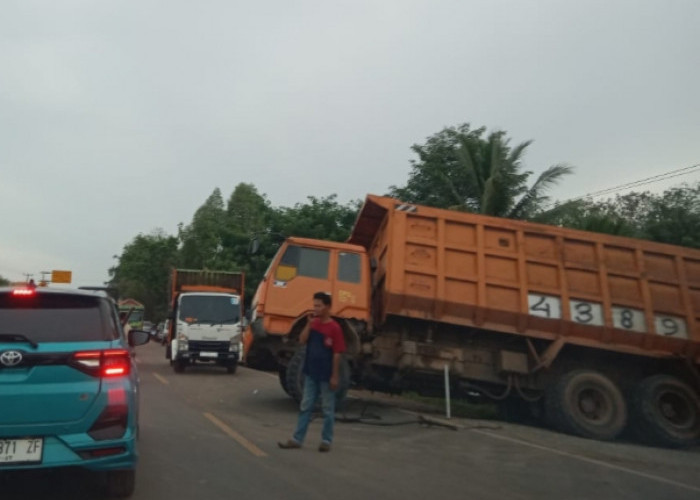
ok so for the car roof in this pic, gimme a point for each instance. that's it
(58, 291)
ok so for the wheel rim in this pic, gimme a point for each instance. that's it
(594, 405)
(676, 409)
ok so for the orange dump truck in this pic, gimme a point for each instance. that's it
(590, 331)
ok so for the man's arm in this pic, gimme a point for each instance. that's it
(304, 337)
(335, 377)
(338, 350)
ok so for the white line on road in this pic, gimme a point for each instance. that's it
(590, 461)
(161, 379)
(235, 436)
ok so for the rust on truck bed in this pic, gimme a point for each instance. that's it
(590, 289)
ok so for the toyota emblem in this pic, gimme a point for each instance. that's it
(11, 358)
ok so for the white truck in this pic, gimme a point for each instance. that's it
(205, 321)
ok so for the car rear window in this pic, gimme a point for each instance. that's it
(53, 317)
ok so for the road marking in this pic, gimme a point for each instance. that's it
(161, 379)
(591, 461)
(235, 436)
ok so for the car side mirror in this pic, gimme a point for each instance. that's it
(138, 337)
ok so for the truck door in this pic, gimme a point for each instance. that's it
(350, 284)
(301, 272)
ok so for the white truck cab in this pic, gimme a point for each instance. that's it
(207, 328)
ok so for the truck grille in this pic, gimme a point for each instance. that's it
(209, 345)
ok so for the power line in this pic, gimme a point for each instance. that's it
(641, 182)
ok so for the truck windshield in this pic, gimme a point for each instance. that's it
(210, 309)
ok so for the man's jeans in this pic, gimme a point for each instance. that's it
(312, 390)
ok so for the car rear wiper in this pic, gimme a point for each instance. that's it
(18, 337)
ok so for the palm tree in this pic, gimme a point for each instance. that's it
(498, 186)
(461, 170)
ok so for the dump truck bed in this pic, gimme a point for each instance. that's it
(542, 281)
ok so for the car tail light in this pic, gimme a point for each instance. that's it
(23, 292)
(107, 363)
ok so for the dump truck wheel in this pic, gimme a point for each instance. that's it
(179, 366)
(665, 412)
(295, 378)
(295, 375)
(231, 367)
(588, 404)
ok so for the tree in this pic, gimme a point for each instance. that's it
(248, 216)
(143, 271)
(4, 281)
(460, 169)
(674, 216)
(202, 239)
(320, 218)
(670, 217)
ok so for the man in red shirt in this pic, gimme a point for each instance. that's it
(325, 344)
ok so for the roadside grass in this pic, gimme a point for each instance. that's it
(459, 407)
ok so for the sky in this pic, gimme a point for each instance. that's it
(118, 117)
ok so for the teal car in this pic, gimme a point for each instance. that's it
(69, 386)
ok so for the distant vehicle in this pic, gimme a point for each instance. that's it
(147, 326)
(206, 319)
(135, 310)
(68, 384)
(597, 333)
(162, 332)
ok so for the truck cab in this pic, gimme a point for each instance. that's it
(300, 268)
(206, 322)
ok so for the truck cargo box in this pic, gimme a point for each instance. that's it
(542, 281)
(203, 280)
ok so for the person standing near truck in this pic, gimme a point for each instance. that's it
(325, 344)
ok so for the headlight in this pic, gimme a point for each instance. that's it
(182, 342)
(235, 343)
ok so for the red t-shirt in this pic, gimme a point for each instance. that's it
(332, 334)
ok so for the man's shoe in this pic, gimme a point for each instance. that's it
(289, 445)
(324, 447)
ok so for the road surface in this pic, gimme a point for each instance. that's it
(209, 435)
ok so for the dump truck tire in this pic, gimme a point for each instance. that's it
(664, 411)
(588, 404)
(295, 378)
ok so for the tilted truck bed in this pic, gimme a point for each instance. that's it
(542, 281)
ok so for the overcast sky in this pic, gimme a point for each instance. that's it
(122, 116)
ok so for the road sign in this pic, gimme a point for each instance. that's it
(61, 276)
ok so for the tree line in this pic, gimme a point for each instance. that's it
(458, 168)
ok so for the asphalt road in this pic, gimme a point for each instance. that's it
(209, 435)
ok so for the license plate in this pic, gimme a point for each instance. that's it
(208, 355)
(13, 451)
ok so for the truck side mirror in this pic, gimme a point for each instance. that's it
(254, 246)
